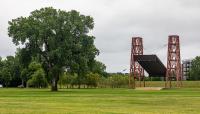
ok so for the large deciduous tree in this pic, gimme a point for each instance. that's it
(60, 39)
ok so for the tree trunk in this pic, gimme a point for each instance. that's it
(54, 86)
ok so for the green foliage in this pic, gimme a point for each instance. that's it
(10, 71)
(58, 38)
(34, 66)
(63, 80)
(24, 57)
(195, 69)
(92, 79)
(6, 76)
(118, 81)
(114, 81)
(27, 73)
(99, 67)
(38, 79)
(36, 75)
(24, 76)
(67, 80)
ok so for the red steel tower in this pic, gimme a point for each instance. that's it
(173, 62)
(136, 71)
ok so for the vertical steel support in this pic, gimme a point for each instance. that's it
(136, 71)
(174, 71)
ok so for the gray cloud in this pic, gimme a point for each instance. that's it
(116, 21)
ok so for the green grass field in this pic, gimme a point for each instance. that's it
(99, 101)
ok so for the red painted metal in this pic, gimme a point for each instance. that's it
(173, 62)
(136, 71)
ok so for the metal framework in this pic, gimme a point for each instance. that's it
(173, 62)
(136, 71)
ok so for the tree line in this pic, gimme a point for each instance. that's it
(14, 73)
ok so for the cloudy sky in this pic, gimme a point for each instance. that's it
(116, 21)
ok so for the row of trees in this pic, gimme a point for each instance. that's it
(13, 74)
(93, 80)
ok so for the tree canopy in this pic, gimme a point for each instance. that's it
(59, 39)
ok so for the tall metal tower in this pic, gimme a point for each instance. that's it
(136, 71)
(173, 62)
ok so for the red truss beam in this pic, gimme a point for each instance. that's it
(136, 71)
(173, 62)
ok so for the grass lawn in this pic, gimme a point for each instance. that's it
(99, 101)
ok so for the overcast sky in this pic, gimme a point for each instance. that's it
(116, 21)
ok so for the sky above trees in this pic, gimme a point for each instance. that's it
(116, 21)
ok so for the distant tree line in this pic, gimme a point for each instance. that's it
(194, 73)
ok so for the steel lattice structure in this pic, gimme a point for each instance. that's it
(153, 65)
(136, 71)
(173, 62)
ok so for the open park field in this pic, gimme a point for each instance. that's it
(99, 101)
(99, 57)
